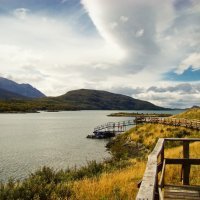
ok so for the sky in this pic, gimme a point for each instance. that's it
(146, 49)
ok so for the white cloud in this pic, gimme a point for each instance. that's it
(113, 25)
(21, 13)
(138, 41)
(164, 34)
(123, 19)
(139, 33)
(54, 50)
(167, 95)
(150, 16)
(169, 99)
(64, 1)
(183, 95)
(192, 60)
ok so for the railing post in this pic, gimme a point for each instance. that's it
(186, 166)
(162, 153)
(157, 197)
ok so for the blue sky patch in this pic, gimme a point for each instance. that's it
(188, 75)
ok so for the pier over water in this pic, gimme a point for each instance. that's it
(111, 129)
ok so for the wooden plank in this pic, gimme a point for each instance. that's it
(160, 194)
(162, 178)
(149, 182)
(158, 148)
(182, 192)
(183, 197)
(170, 198)
(185, 187)
(181, 161)
(183, 139)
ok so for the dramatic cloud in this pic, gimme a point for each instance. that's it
(157, 36)
(128, 46)
(178, 96)
(50, 47)
(192, 60)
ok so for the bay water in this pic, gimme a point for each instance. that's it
(55, 139)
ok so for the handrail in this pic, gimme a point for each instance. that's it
(115, 124)
(149, 185)
(162, 120)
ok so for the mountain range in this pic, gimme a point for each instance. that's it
(7, 95)
(14, 90)
(103, 100)
(24, 98)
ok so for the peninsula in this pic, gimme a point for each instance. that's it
(136, 114)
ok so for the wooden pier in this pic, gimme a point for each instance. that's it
(153, 188)
(115, 126)
(112, 128)
(193, 124)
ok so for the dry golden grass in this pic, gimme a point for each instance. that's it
(149, 133)
(173, 172)
(122, 185)
(193, 113)
(117, 185)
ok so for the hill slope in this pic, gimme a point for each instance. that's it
(25, 90)
(6, 95)
(192, 113)
(102, 100)
(78, 100)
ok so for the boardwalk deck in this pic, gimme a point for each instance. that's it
(117, 127)
(195, 124)
(151, 188)
(172, 192)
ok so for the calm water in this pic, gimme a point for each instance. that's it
(29, 141)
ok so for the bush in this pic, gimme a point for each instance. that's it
(48, 184)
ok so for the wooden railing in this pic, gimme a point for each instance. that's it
(194, 124)
(151, 187)
(112, 126)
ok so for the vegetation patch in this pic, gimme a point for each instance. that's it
(193, 113)
(140, 140)
(47, 183)
(126, 114)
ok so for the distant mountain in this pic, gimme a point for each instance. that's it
(23, 90)
(101, 100)
(195, 107)
(75, 100)
(6, 95)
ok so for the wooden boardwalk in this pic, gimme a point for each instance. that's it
(152, 187)
(194, 124)
(121, 126)
(115, 126)
(181, 192)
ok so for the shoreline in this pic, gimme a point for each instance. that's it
(126, 114)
